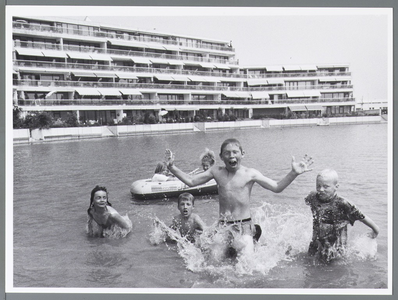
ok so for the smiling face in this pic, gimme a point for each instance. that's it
(326, 186)
(100, 199)
(232, 155)
(185, 206)
(207, 163)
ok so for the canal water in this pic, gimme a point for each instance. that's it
(52, 184)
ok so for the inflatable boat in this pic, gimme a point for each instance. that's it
(147, 189)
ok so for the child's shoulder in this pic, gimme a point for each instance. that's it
(311, 195)
(195, 216)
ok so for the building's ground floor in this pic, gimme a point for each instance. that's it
(103, 115)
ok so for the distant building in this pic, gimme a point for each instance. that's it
(105, 73)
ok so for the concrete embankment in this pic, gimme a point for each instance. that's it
(73, 133)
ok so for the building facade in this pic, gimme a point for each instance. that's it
(106, 74)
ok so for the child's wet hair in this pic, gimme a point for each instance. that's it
(186, 196)
(160, 168)
(94, 190)
(209, 156)
(331, 173)
(230, 141)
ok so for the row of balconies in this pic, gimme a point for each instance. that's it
(66, 83)
(113, 102)
(151, 70)
(19, 27)
(180, 57)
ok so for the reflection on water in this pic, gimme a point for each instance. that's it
(52, 182)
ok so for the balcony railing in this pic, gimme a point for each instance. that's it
(91, 84)
(151, 70)
(28, 28)
(145, 102)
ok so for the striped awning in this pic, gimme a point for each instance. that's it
(141, 60)
(206, 65)
(105, 75)
(109, 92)
(327, 79)
(79, 55)
(180, 77)
(164, 77)
(159, 61)
(275, 81)
(295, 94)
(308, 67)
(259, 81)
(103, 57)
(127, 43)
(236, 94)
(130, 92)
(274, 68)
(29, 51)
(126, 76)
(260, 95)
(53, 53)
(88, 92)
(174, 62)
(84, 74)
(220, 66)
(292, 68)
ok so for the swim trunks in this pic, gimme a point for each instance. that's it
(243, 227)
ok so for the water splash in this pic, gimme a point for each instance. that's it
(286, 234)
(362, 247)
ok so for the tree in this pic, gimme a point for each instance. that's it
(17, 121)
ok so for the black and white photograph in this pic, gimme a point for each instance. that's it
(194, 150)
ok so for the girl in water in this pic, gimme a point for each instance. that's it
(103, 219)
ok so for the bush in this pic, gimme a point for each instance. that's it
(42, 120)
(71, 120)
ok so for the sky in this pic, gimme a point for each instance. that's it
(360, 37)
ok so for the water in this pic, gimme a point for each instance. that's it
(52, 184)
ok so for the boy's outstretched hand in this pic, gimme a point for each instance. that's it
(169, 158)
(303, 165)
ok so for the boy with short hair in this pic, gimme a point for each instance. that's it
(235, 184)
(187, 223)
(331, 215)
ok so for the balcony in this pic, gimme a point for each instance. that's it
(19, 27)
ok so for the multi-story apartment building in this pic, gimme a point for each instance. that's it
(105, 73)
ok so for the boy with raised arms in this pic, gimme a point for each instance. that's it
(235, 183)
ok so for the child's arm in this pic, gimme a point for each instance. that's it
(369, 222)
(120, 221)
(199, 224)
(277, 187)
(190, 180)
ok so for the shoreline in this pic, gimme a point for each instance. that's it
(25, 136)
